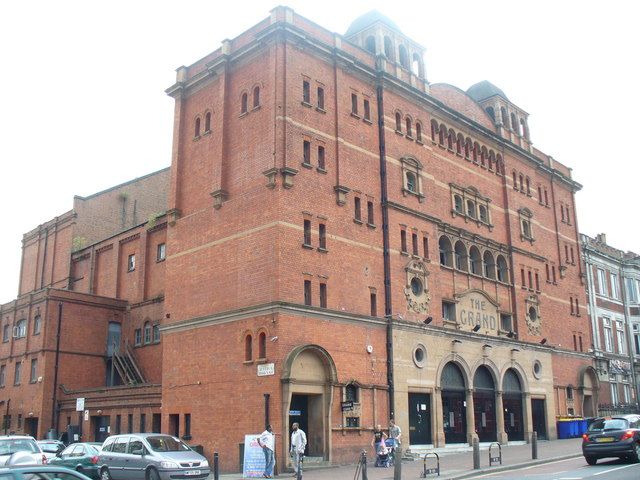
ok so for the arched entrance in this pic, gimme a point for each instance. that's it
(589, 389)
(308, 379)
(454, 410)
(484, 405)
(512, 406)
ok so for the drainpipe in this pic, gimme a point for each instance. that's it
(385, 249)
(44, 256)
(55, 375)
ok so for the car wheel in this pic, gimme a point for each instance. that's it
(105, 474)
(152, 474)
(79, 469)
(635, 458)
(590, 460)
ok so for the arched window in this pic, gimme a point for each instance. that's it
(197, 129)
(20, 330)
(351, 393)
(476, 152)
(404, 58)
(262, 345)
(370, 44)
(412, 182)
(408, 125)
(471, 208)
(418, 131)
(434, 130)
(514, 123)
(398, 122)
(505, 117)
(483, 156)
(256, 97)
(416, 65)
(503, 272)
(483, 214)
(459, 144)
(442, 135)
(488, 265)
(457, 199)
(515, 180)
(475, 263)
(522, 183)
(445, 252)
(243, 103)
(461, 256)
(207, 122)
(147, 333)
(491, 113)
(499, 165)
(451, 139)
(468, 146)
(248, 348)
(388, 48)
(528, 183)
(492, 159)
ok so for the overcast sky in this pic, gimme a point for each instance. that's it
(84, 107)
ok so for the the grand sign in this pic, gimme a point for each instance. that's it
(476, 309)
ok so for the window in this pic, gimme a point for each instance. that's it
(248, 348)
(137, 337)
(474, 261)
(414, 243)
(411, 182)
(357, 209)
(457, 201)
(307, 292)
(632, 292)
(411, 177)
(367, 110)
(354, 104)
(370, 219)
(256, 97)
(408, 127)
(615, 287)
(5, 332)
(147, 333)
(244, 104)
(323, 295)
(446, 251)
(37, 324)
(448, 311)
(131, 263)
(321, 98)
(306, 92)
(468, 203)
(306, 153)
(18, 373)
(398, 122)
(161, 252)
(489, 265)
(20, 330)
(262, 345)
(207, 122)
(569, 393)
(403, 241)
(143, 423)
(602, 282)
(351, 393)
(622, 341)
(156, 334)
(425, 247)
(608, 334)
(197, 128)
(537, 282)
(471, 209)
(506, 323)
(321, 164)
(373, 302)
(460, 254)
(483, 214)
(418, 132)
(307, 233)
(34, 371)
(322, 233)
(526, 231)
(3, 375)
(503, 271)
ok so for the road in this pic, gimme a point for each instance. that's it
(572, 469)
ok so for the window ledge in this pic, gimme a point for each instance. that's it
(323, 250)
(366, 120)
(355, 115)
(306, 104)
(408, 137)
(404, 252)
(306, 165)
(371, 225)
(196, 138)
(207, 132)
(243, 114)
(321, 170)
(419, 142)
(358, 221)
(320, 110)
(399, 133)
(248, 362)
(308, 246)
(257, 107)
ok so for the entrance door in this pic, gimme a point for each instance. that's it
(539, 418)
(485, 416)
(454, 420)
(419, 419)
(513, 424)
(101, 427)
(299, 413)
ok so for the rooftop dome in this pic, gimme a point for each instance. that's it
(483, 90)
(368, 19)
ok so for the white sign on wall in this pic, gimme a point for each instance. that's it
(79, 404)
(266, 369)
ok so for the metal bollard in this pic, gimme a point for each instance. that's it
(476, 454)
(215, 466)
(397, 463)
(534, 446)
(300, 467)
(364, 465)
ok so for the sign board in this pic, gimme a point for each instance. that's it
(253, 465)
(86, 415)
(266, 369)
(476, 309)
(347, 406)
(79, 404)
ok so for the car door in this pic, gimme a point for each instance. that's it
(135, 462)
(115, 458)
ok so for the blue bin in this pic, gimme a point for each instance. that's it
(564, 429)
(574, 426)
(584, 424)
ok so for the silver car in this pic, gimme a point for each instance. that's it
(150, 456)
(20, 450)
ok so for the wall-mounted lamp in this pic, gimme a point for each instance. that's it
(31, 414)
(543, 341)
(456, 341)
(394, 315)
(514, 350)
(486, 345)
(511, 334)
(476, 328)
(428, 320)
(273, 339)
(99, 412)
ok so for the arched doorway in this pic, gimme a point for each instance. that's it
(308, 379)
(512, 406)
(484, 405)
(454, 408)
(589, 390)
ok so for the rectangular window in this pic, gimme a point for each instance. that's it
(147, 334)
(161, 252)
(321, 164)
(131, 263)
(602, 282)
(354, 104)
(187, 424)
(137, 337)
(566, 253)
(34, 371)
(118, 424)
(425, 247)
(615, 287)
(580, 342)
(622, 339)
(573, 259)
(370, 219)
(403, 241)
(553, 273)
(529, 275)
(37, 324)
(323, 295)
(143, 423)
(3, 374)
(367, 110)
(537, 282)
(130, 423)
(5, 333)
(506, 324)
(18, 373)
(448, 311)
(307, 292)
(306, 92)
(321, 98)
(357, 209)
(373, 301)
(322, 232)
(156, 334)
(414, 243)
(632, 293)
(571, 304)
(608, 334)
(307, 232)
(306, 152)
(523, 278)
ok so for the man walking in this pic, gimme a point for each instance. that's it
(265, 440)
(298, 444)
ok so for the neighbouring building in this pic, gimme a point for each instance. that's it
(613, 289)
(338, 242)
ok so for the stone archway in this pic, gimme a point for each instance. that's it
(589, 388)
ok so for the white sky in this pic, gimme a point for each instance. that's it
(84, 107)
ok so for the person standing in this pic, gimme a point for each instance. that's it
(265, 440)
(378, 437)
(395, 433)
(298, 444)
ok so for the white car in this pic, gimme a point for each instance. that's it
(20, 450)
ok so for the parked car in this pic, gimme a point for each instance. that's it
(150, 456)
(81, 457)
(39, 472)
(616, 436)
(50, 448)
(20, 450)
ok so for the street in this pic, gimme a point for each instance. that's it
(572, 469)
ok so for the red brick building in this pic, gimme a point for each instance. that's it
(345, 243)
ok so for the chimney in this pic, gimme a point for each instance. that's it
(601, 238)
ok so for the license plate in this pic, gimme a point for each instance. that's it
(192, 472)
(605, 439)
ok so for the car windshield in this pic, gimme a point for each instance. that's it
(10, 446)
(166, 444)
(50, 447)
(608, 424)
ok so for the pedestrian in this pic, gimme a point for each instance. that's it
(378, 437)
(395, 433)
(265, 440)
(298, 444)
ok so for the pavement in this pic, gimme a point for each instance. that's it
(454, 464)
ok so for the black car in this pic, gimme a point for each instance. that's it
(617, 436)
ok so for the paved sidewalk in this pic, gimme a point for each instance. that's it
(453, 465)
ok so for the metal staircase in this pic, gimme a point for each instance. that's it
(126, 366)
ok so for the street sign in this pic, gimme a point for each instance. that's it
(79, 404)
(347, 406)
(266, 369)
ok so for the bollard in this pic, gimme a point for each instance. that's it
(364, 465)
(534, 446)
(215, 466)
(300, 458)
(476, 454)
(397, 463)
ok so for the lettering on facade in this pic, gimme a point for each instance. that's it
(475, 309)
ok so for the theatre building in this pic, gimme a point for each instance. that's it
(345, 243)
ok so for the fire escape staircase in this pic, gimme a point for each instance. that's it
(127, 367)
